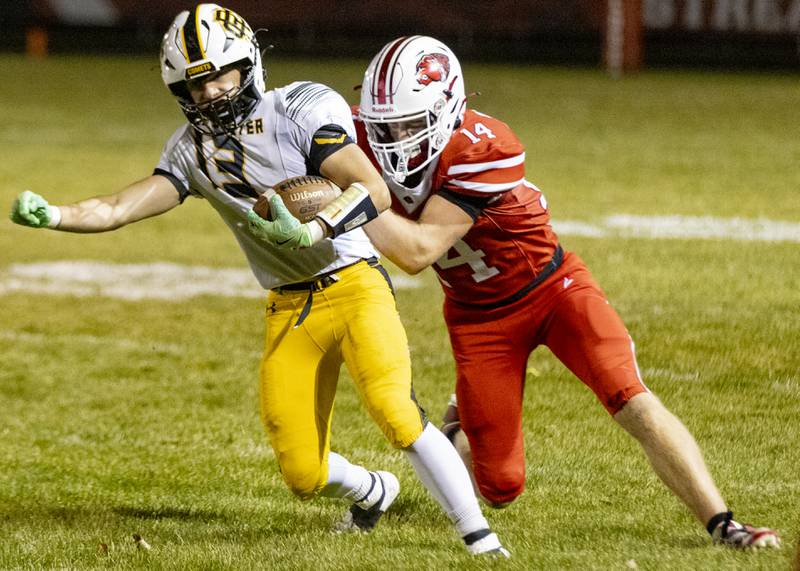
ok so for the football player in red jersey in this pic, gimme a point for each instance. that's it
(461, 203)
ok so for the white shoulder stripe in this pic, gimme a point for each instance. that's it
(481, 167)
(530, 185)
(485, 187)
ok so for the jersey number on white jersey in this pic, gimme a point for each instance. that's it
(466, 255)
(229, 160)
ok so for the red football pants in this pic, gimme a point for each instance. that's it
(569, 314)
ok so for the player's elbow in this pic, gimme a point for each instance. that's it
(411, 268)
(410, 262)
(422, 258)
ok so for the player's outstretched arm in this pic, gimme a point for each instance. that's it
(148, 197)
(414, 245)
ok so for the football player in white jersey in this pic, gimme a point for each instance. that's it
(329, 301)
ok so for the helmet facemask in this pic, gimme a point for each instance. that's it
(206, 40)
(406, 145)
(413, 81)
(227, 112)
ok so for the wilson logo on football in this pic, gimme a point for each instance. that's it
(306, 195)
(432, 67)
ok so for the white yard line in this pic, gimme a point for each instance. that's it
(163, 281)
(705, 228)
(683, 227)
(41, 339)
(670, 375)
(167, 281)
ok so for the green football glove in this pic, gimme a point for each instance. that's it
(30, 209)
(284, 230)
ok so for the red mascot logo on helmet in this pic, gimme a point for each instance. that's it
(432, 67)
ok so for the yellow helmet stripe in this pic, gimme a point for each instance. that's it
(199, 37)
(190, 34)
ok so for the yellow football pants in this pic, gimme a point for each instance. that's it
(354, 320)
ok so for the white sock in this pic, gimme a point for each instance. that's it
(442, 472)
(351, 482)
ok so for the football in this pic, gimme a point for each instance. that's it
(303, 196)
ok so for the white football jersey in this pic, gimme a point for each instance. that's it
(273, 145)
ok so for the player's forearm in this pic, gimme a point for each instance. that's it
(143, 199)
(378, 191)
(99, 214)
(409, 245)
(364, 192)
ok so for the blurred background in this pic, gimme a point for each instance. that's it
(129, 361)
(625, 34)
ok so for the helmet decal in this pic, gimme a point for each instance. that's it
(233, 23)
(432, 67)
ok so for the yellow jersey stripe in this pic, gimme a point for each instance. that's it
(321, 141)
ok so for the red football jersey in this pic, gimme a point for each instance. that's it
(511, 241)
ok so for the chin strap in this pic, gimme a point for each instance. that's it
(351, 209)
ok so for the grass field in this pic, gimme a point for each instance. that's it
(123, 416)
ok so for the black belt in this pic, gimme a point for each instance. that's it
(318, 284)
(547, 271)
(322, 281)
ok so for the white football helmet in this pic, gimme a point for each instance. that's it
(412, 99)
(203, 41)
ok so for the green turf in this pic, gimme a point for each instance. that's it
(141, 417)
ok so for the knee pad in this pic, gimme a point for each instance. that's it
(499, 487)
(401, 421)
(303, 479)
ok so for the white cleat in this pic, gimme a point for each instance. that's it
(489, 546)
(359, 518)
(745, 536)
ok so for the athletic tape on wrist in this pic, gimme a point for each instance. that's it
(351, 209)
(317, 229)
(55, 216)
